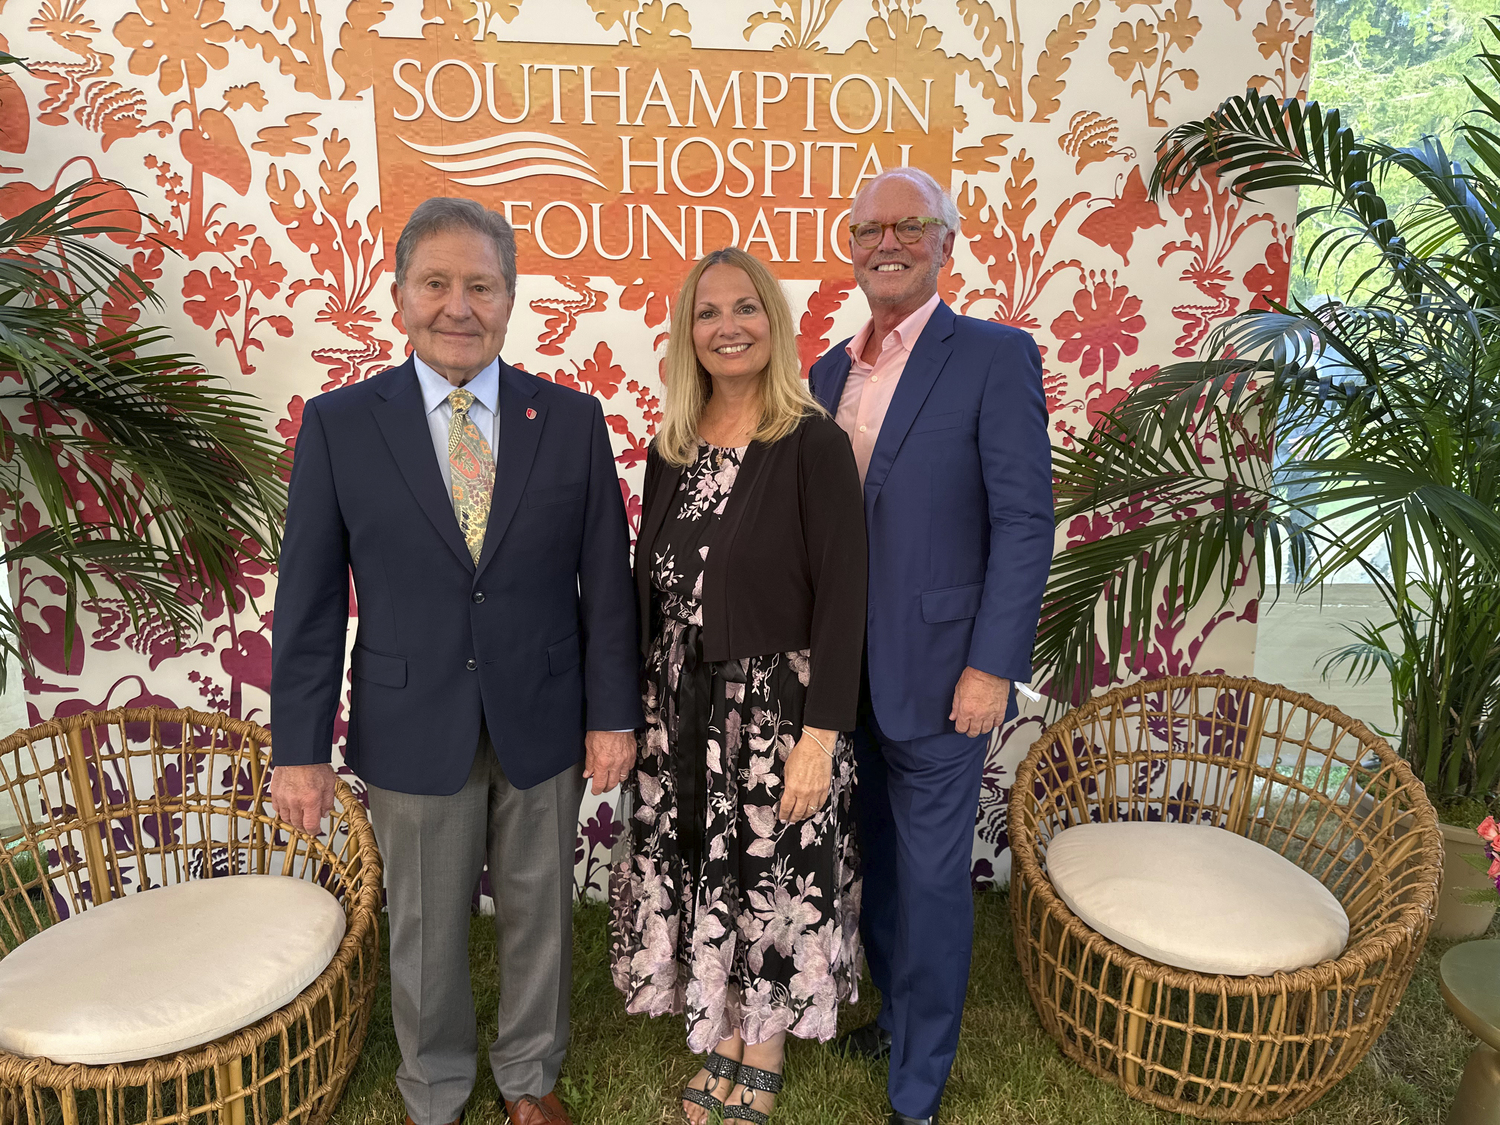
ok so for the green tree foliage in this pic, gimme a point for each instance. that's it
(1395, 69)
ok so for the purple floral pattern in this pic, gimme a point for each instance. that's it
(767, 939)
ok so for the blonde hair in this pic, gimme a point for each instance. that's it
(784, 397)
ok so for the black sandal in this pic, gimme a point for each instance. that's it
(719, 1067)
(753, 1079)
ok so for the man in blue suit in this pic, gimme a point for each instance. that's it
(495, 667)
(949, 426)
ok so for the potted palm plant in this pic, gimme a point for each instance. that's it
(123, 464)
(1385, 405)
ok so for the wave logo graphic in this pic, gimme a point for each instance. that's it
(497, 160)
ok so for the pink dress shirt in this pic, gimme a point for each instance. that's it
(869, 388)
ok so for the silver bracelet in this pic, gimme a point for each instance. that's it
(819, 741)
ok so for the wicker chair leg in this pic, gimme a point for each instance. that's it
(1050, 984)
(231, 1082)
(1269, 1051)
(323, 1056)
(68, 1101)
(340, 1040)
(1263, 1057)
(1324, 1015)
(1135, 1031)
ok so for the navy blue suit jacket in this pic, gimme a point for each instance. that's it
(539, 639)
(958, 506)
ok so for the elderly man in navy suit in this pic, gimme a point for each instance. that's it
(949, 426)
(495, 667)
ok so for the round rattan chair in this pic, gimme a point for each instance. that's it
(171, 796)
(1277, 767)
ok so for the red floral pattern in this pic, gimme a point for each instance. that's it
(1104, 324)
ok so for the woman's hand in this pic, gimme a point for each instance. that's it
(808, 772)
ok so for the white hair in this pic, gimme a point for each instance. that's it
(445, 213)
(942, 202)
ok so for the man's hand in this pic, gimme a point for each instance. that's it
(979, 702)
(609, 756)
(302, 795)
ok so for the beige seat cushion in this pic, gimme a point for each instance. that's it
(1196, 897)
(161, 971)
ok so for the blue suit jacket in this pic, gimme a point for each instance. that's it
(958, 505)
(539, 639)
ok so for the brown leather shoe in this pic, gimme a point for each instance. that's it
(531, 1110)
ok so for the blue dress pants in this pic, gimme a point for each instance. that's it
(916, 803)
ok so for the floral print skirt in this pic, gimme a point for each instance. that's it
(765, 938)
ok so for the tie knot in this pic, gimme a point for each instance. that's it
(461, 401)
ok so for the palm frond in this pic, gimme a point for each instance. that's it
(1362, 433)
(46, 254)
(1257, 143)
(149, 472)
(1167, 514)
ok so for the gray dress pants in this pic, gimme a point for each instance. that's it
(434, 849)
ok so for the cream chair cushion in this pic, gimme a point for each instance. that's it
(1196, 897)
(161, 971)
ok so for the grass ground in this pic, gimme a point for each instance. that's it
(628, 1069)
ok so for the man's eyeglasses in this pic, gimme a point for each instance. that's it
(871, 234)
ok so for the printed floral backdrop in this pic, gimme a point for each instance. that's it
(276, 147)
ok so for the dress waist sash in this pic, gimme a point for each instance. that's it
(694, 701)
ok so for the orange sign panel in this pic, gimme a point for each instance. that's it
(609, 162)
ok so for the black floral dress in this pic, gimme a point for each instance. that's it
(724, 913)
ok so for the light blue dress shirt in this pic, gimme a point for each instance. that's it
(484, 413)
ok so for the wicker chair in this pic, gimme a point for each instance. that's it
(173, 796)
(1277, 767)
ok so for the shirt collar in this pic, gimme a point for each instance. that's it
(435, 389)
(906, 332)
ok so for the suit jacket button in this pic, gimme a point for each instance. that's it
(479, 597)
(471, 665)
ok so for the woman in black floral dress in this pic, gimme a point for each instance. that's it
(739, 905)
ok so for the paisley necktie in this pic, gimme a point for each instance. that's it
(472, 471)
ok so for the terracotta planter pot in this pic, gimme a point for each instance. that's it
(1455, 917)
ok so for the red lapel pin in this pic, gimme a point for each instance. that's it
(530, 413)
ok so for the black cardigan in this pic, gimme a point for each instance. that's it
(787, 566)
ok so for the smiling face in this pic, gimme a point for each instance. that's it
(731, 330)
(454, 303)
(899, 277)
